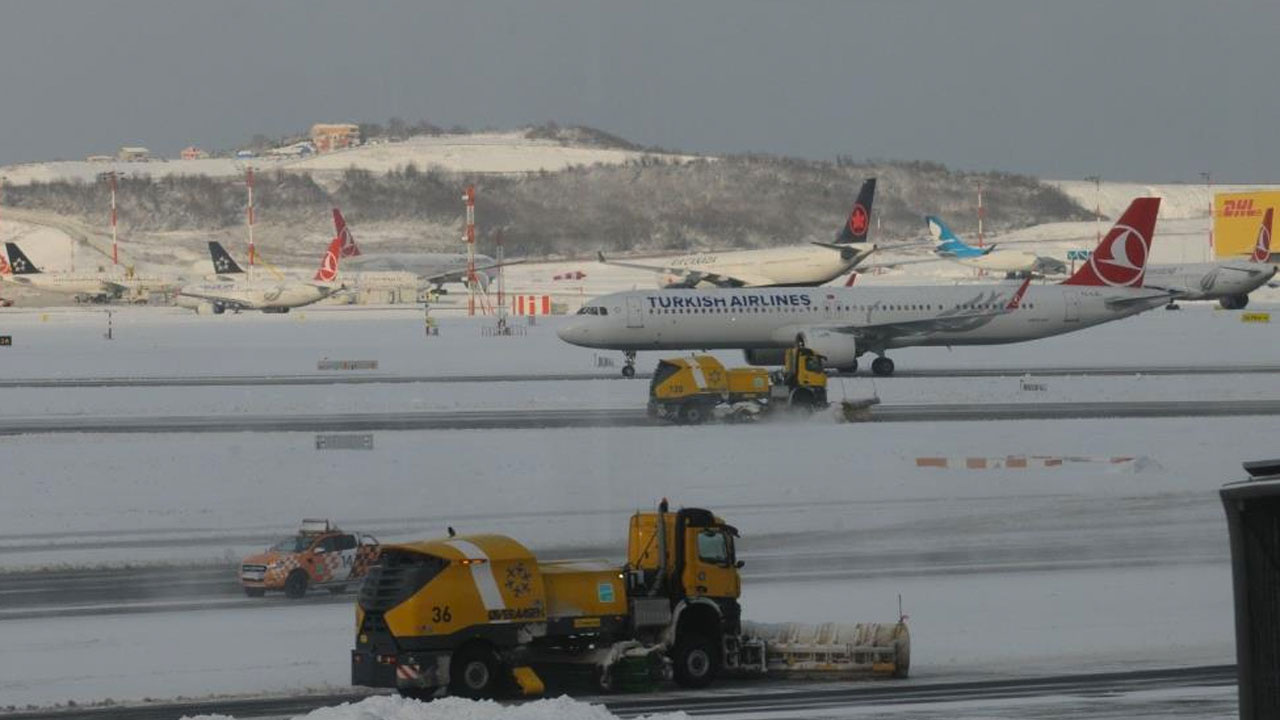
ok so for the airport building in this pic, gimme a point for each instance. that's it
(336, 136)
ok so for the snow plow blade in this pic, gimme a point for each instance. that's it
(876, 649)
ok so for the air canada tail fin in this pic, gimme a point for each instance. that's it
(328, 271)
(19, 263)
(223, 263)
(1262, 249)
(1120, 260)
(858, 224)
(341, 231)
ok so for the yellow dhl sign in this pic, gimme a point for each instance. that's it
(1236, 220)
(1255, 317)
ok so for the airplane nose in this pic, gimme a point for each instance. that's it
(573, 333)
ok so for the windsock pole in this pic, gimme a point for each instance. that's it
(252, 253)
(470, 198)
(115, 252)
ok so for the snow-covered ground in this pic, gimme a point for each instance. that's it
(509, 152)
(1179, 200)
(1004, 571)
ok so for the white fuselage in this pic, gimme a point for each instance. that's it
(1002, 261)
(772, 318)
(793, 265)
(95, 284)
(254, 294)
(1210, 281)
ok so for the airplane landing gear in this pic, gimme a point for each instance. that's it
(629, 369)
(882, 366)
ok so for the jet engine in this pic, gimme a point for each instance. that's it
(838, 350)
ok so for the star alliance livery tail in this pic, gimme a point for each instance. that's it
(858, 224)
(949, 245)
(19, 263)
(1120, 260)
(223, 263)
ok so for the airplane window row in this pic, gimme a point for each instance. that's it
(593, 310)
(840, 308)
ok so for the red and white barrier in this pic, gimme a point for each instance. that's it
(530, 304)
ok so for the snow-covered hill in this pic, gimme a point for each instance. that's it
(489, 153)
(1180, 200)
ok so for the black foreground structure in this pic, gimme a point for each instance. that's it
(1253, 520)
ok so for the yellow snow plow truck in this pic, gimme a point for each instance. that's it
(693, 389)
(481, 616)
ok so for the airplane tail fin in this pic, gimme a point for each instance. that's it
(1262, 249)
(4, 266)
(19, 263)
(223, 263)
(1120, 260)
(948, 243)
(858, 224)
(328, 271)
(340, 230)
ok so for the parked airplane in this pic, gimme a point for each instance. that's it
(951, 247)
(1229, 282)
(791, 266)
(269, 296)
(843, 323)
(93, 287)
(432, 269)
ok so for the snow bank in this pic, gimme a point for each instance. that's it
(386, 707)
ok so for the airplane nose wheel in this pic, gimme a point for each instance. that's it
(629, 369)
(882, 366)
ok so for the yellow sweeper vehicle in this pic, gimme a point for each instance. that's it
(691, 390)
(481, 616)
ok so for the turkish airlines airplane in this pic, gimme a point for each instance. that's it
(269, 296)
(843, 323)
(791, 266)
(1229, 282)
(95, 287)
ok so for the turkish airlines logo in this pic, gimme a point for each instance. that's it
(1262, 250)
(1121, 259)
(858, 220)
(328, 268)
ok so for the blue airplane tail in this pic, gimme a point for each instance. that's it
(948, 244)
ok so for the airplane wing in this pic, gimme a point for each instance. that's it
(461, 275)
(692, 278)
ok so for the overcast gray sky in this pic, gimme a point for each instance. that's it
(1129, 89)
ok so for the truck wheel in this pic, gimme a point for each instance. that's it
(295, 586)
(696, 660)
(474, 673)
(693, 414)
(255, 591)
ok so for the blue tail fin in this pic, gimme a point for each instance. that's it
(858, 224)
(948, 244)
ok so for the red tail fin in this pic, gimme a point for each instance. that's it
(1262, 249)
(1120, 260)
(342, 232)
(328, 271)
(4, 266)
